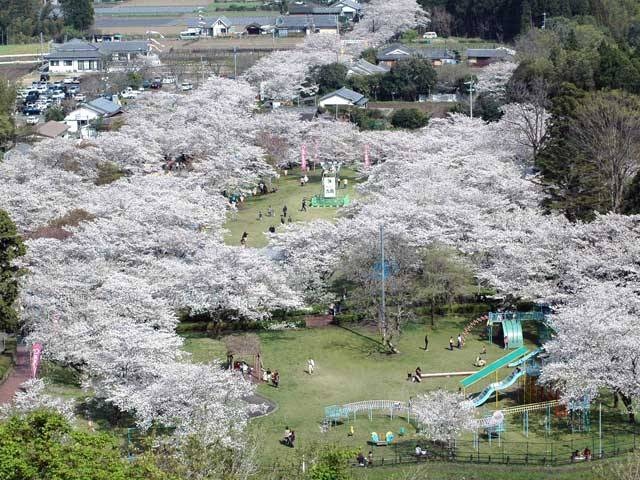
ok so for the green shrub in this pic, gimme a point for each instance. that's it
(410, 118)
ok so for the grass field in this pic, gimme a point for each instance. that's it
(22, 49)
(351, 367)
(289, 193)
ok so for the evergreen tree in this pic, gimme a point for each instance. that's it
(78, 13)
(11, 247)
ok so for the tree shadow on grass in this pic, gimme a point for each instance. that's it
(375, 346)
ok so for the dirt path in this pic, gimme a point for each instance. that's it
(18, 376)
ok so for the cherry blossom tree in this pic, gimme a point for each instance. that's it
(443, 416)
(32, 397)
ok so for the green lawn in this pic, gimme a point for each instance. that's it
(350, 367)
(19, 49)
(5, 364)
(221, 6)
(289, 193)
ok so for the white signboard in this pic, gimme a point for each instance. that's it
(329, 184)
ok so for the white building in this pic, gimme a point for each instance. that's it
(80, 56)
(343, 96)
(82, 119)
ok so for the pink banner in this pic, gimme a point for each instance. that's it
(367, 162)
(36, 354)
(303, 155)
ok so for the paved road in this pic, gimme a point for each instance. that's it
(19, 375)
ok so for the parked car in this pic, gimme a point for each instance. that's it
(73, 89)
(155, 85)
(168, 80)
(79, 97)
(44, 77)
(32, 119)
(146, 83)
(430, 35)
(31, 111)
(186, 86)
(71, 80)
(128, 94)
(58, 95)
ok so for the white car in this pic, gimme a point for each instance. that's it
(32, 119)
(79, 97)
(59, 95)
(186, 86)
(430, 35)
(129, 94)
(168, 80)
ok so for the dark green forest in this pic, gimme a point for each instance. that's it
(22, 21)
(503, 20)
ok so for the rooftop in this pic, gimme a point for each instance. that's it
(362, 67)
(348, 94)
(487, 52)
(51, 129)
(103, 106)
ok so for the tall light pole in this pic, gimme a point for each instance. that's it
(382, 276)
(235, 63)
(471, 84)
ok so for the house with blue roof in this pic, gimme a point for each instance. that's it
(82, 120)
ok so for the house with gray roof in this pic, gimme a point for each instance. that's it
(81, 121)
(306, 24)
(348, 8)
(310, 8)
(343, 97)
(480, 57)
(283, 25)
(81, 56)
(393, 54)
(362, 67)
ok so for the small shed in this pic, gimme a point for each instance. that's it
(247, 348)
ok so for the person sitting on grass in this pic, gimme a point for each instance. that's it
(417, 377)
(480, 362)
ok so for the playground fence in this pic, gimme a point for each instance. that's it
(552, 453)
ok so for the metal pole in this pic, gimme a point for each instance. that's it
(600, 429)
(382, 292)
(235, 64)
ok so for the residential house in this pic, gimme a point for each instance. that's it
(348, 8)
(81, 120)
(283, 26)
(343, 97)
(438, 56)
(309, 8)
(481, 57)
(81, 56)
(75, 56)
(52, 129)
(364, 68)
(392, 54)
(306, 24)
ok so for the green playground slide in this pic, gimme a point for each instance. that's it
(493, 367)
(513, 329)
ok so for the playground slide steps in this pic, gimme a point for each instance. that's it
(484, 395)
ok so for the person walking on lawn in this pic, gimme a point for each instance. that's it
(451, 343)
(426, 342)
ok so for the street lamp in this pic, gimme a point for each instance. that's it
(471, 88)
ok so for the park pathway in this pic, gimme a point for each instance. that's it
(19, 375)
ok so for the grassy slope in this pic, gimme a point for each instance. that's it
(19, 49)
(289, 193)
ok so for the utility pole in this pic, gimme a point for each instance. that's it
(235, 64)
(544, 20)
(471, 85)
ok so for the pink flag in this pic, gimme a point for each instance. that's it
(36, 354)
(367, 162)
(303, 161)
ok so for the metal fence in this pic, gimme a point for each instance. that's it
(551, 453)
